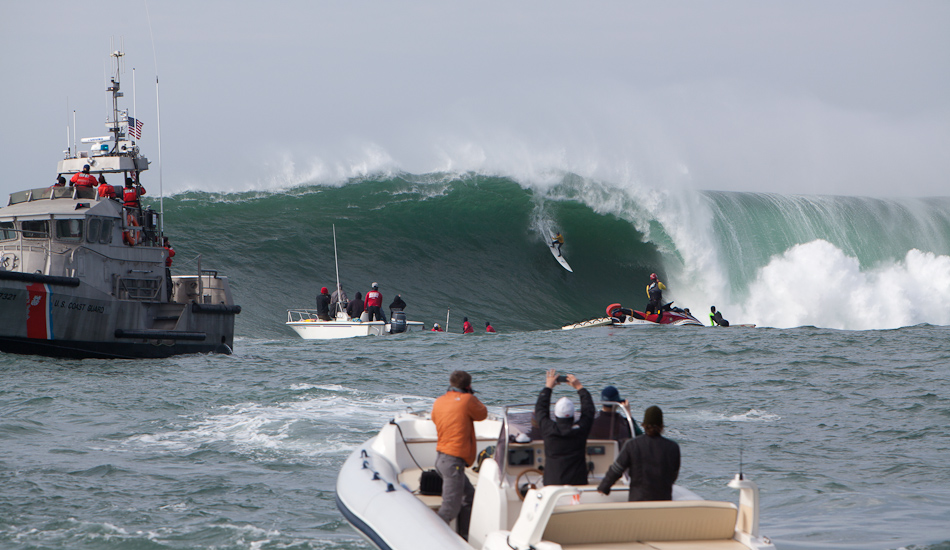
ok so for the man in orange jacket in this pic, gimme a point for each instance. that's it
(84, 178)
(455, 414)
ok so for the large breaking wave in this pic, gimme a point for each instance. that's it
(475, 243)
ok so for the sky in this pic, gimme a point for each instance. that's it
(806, 97)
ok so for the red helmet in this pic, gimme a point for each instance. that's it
(652, 276)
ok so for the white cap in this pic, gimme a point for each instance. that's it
(564, 408)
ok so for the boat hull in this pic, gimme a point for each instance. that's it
(306, 324)
(384, 512)
(70, 319)
(333, 330)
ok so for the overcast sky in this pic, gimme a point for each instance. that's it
(846, 97)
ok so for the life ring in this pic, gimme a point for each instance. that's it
(130, 236)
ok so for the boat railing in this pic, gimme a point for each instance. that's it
(54, 192)
(302, 315)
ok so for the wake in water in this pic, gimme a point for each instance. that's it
(475, 244)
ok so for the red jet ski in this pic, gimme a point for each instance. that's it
(625, 317)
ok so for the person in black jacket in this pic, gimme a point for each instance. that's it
(355, 308)
(398, 305)
(565, 442)
(609, 423)
(323, 304)
(653, 462)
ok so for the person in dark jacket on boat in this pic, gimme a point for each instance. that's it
(323, 304)
(610, 424)
(398, 305)
(355, 308)
(652, 460)
(715, 318)
(565, 442)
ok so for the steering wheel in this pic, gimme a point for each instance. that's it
(528, 483)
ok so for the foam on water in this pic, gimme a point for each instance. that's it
(315, 420)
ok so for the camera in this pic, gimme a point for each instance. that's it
(562, 379)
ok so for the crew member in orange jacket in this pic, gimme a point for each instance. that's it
(466, 326)
(373, 304)
(454, 415)
(169, 254)
(84, 178)
(488, 327)
(105, 191)
(131, 194)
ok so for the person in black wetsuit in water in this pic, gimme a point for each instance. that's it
(715, 318)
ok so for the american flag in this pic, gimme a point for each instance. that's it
(135, 128)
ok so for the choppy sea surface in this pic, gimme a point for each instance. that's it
(846, 432)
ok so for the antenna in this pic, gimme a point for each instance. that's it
(741, 443)
(161, 188)
(68, 151)
(158, 128)
(336, 261)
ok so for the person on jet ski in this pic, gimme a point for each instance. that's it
(655, 294)
(715, 318)
(618, 312)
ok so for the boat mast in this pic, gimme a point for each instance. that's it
(336, 262)
(114, 87)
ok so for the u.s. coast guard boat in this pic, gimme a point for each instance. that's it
(378, 491)
(82, 275)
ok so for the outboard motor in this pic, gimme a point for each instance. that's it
(398, 322)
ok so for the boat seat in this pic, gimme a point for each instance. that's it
(667, 545)
(409, 478)
(665, 525)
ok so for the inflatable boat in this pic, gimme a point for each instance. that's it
(383, 490)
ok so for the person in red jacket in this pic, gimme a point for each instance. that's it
(488, 327)
(454, 415)
(131, 194)
(84, 178)
(466, 326)
(437, 328)
(373, 304)
(169, 254)
(105, 191)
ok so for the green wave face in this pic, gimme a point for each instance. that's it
(475, 245)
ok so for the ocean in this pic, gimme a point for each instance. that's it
(836, 405)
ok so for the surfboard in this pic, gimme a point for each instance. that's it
(602, 322)
(559, 257)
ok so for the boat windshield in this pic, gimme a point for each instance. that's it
(519, 427)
